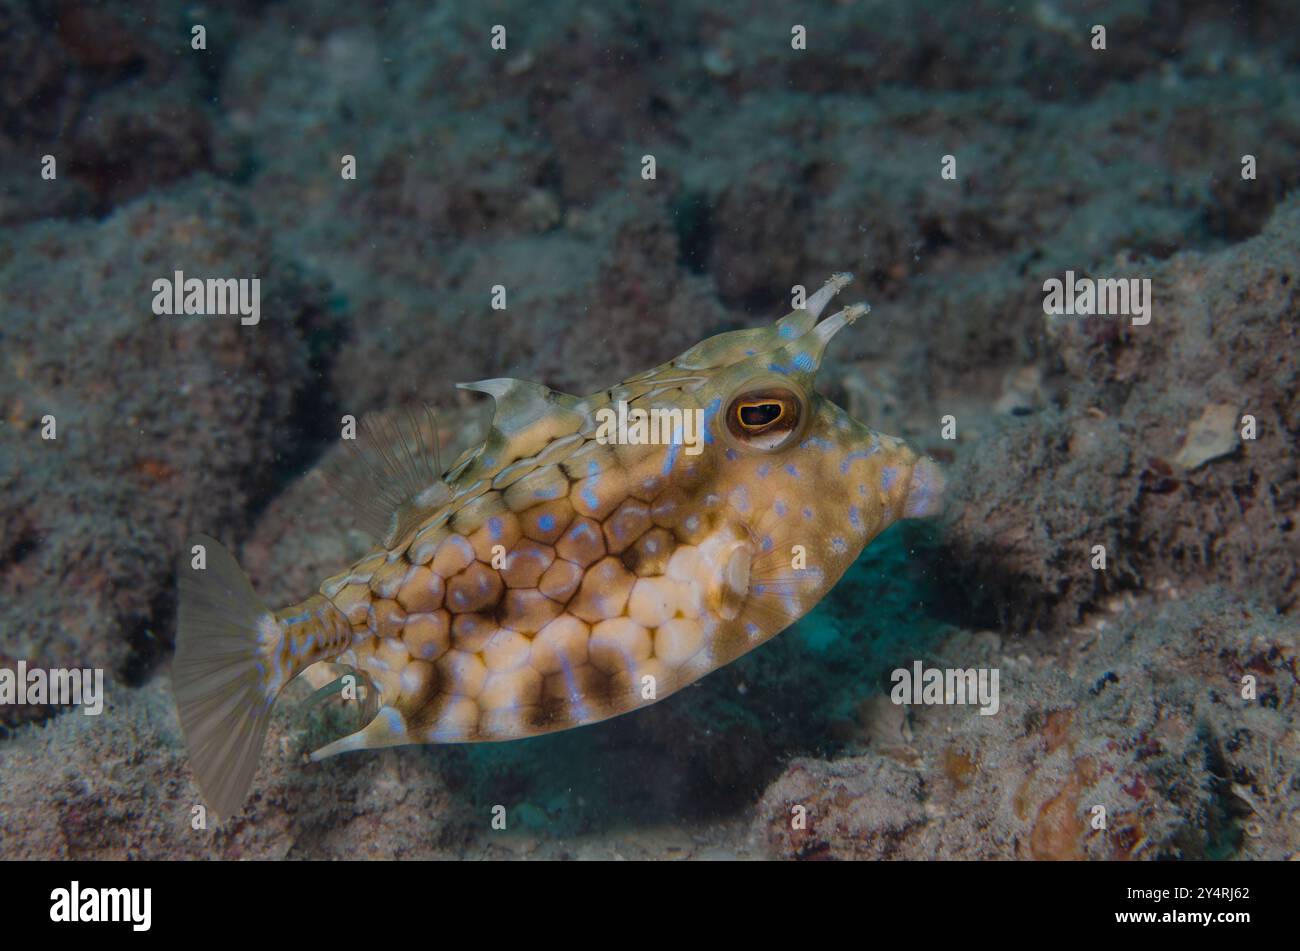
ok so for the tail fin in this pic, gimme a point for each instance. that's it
(221, 674)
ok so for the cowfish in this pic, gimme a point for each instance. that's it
(569, 568)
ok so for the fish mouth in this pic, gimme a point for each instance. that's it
(925, 491)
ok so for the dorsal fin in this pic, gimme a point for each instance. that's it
(391, 474)
(520, 403)
(527, 417)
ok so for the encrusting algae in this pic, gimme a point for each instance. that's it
(560, 573)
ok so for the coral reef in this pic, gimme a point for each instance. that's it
(1139, 713)
(159, 424)
(1101, 467)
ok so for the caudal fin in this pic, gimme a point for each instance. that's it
(221, 676)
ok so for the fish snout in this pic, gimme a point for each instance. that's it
(925, 490)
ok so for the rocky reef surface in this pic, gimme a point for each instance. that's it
(522, 167)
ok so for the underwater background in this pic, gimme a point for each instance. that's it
(775, 166)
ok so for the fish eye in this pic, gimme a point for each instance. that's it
(765, 418)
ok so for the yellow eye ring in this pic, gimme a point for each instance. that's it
(766, 418)
(755, 415)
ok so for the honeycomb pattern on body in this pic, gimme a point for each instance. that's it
(541, 604)
(563, 578)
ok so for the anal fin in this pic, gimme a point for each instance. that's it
(387, 728)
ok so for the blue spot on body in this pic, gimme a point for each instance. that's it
(856, 454)
(732, 455)
(546, 523)
(709, 412)
(815, 442)
(671, 457)
(808, 513)
(805, 363)
(589, 492)
(393, 720)
(854, 518)
(494, 527)
(442, 736)
(763, 470)
(777, 368)
(779, 507)
(792, 469)
(787, 331)
(887, 477)
(767, 543)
